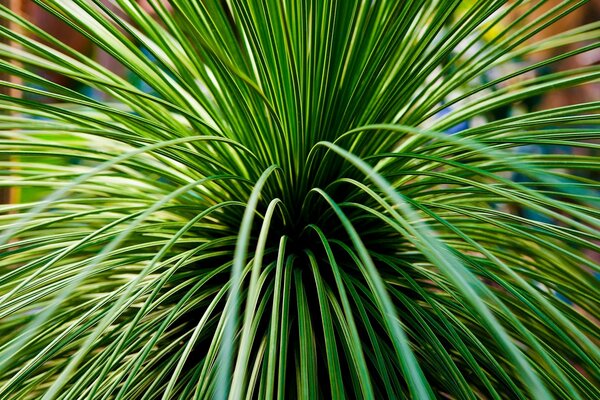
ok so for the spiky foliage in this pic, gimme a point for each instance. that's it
(284, 214)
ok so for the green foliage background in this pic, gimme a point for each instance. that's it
(285, 216)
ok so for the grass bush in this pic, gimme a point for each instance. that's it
(286, 214)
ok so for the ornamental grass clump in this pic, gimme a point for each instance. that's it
(304, 199)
